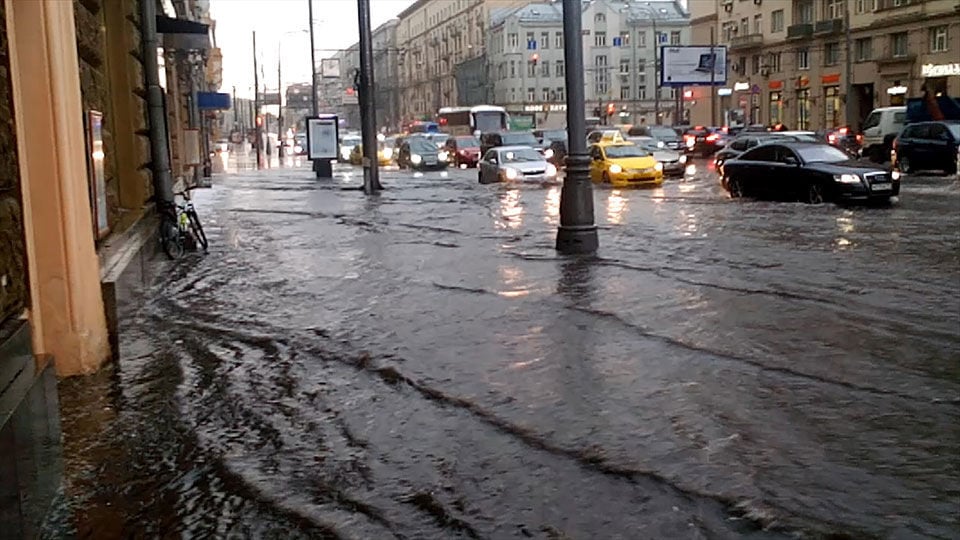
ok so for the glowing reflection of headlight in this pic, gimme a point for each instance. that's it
(551, 170)
(345, 152)
(616, 169)
(683, 159)
(443, 156)
(895, 175)
(416, 159)
(511, 173)
(658, 166)
(660, 144)
(548, 153)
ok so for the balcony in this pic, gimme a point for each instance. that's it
(749, 41)
(799, 31)
(889, 59)
(828, 27)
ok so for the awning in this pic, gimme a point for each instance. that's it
(182, 34)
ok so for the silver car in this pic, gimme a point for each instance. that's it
(515, 164)
(674, 163)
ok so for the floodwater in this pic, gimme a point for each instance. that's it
(422, 364)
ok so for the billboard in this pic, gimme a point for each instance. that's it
(692, 65)
(330, 68)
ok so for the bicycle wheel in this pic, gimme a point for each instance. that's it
(171, 241)
(197, 229)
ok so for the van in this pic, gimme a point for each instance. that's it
(879, 130)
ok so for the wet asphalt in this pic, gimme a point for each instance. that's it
(423, 364)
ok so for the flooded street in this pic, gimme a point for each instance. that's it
(423, 364)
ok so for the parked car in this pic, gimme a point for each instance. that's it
(704, 141)
(809, 172)
(674, 163)
(926, 146)
(463, 150)
(515, 164)
(879, 131)
(506, 138)
(624, 164)
(661, 134)
(421, 153)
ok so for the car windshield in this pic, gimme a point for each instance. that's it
(350, 141)
(510, 139)
(822, 154)
(555, 135)
(520, 155)
(625, 151)
(468, 142)
(663, 133)
(422, 145)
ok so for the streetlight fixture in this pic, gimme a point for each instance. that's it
(577, 233)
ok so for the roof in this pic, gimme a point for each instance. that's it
(515, 147)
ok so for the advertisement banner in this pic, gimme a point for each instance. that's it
(322, 137)
(693, 65)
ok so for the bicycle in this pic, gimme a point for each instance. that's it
(180, 226)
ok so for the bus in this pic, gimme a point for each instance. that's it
(472, 120)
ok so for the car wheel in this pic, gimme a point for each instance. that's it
(903, 163)
(734, 187)
(815, 194)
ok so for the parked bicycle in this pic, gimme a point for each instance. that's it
(180, 226)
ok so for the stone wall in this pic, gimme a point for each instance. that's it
(14, 293)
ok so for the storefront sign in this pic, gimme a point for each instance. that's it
(724, 91)
(775, 85)
(940, 70)
(741, 86)
(897, 90)
(833, 78)
(550, 107)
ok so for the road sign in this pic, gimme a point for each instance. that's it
(618, 41)
(662, 37)
(755, 89)
(531, 45)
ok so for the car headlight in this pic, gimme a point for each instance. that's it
(298, 149)
(548, 153)
(690, 143)
(658, 167)
(345, 153)
(895, 175)
(660, 144)
(511, 173)
(683, 159)
(387, 153)
(416, 159)
(442, 155)
(847, 178)
(616, 169)
(551, 170)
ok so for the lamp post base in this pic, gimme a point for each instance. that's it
(578, 232)
(577, 239)
(323, 168)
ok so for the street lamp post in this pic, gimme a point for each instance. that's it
(368, 108)
(577, 233)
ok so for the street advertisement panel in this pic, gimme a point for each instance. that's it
(96, 174)
(330, 68)
(693, 65)
(322, 137)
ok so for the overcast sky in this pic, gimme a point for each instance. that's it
(285, 23)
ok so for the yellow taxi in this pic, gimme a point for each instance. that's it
(624, 164)
(385, 153)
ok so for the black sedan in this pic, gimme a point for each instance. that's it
(421, 153)
(810, 172)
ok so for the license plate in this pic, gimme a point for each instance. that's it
(881, 186)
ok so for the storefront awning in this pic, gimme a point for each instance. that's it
(182, 34)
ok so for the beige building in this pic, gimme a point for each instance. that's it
(433, 37)
(787, 58)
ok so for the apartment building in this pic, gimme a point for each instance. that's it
(434, 37)
(385, 69)
(525, 47)
(787, 59)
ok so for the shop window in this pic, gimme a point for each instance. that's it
(898, 44)
(833, 107)
(803, 109)
(776, 108)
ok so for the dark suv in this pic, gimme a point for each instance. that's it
(927, 145)
(507, 138)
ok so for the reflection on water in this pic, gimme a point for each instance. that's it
(551, 206)
(511, 210)
(616, 207)
(688, 223)
(512, 279)
(844, 229)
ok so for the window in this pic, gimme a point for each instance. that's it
(774, 62)
(803, 13)
(600, 18)
(866, 6)
(803, 58)
(758, 24)
(545, 94)
(755, 65)
(624, 92)
(561, 93)
(513, 41)
(513, 68)
(763, 153)
(833, 9)
(863, 49)
(776, 21)
(674, 92)
(641, 39)
(728, 31)
(938, 39)
(831, 54)
(625, 66)
(600, 76)
(544, 40)
(559, 69)
(660, 38)
(600, 60)
(624, 38)
(545, 69)
(675, 38)
(744, 26)
(530, 37)
(803, 109)
(642, 92)
(531, 69)
(898, 44)
(531, 94)
(600, 39)
(558, 40)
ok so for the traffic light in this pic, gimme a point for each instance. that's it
(259, 119)
(611, 109)
(535, 58)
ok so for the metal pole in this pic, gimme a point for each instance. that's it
(368, 108)
(159, 142)
(256, 104)
(577, 232)
(848, 100)
(280, 138)
(635, 92)
(656, 63)
(313, 60)
(713, 79)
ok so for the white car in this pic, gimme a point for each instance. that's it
(515, 164)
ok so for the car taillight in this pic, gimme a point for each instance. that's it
(832, 138)
(859, 138)
(843, 131)
(712, 138)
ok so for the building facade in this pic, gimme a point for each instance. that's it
(528, 69)
(385, 70)
(787, 60)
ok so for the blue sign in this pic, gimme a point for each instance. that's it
(212, 101)
(618, 41)
(532, 45)
(662, 37)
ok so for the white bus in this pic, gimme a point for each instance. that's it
(472, 120)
